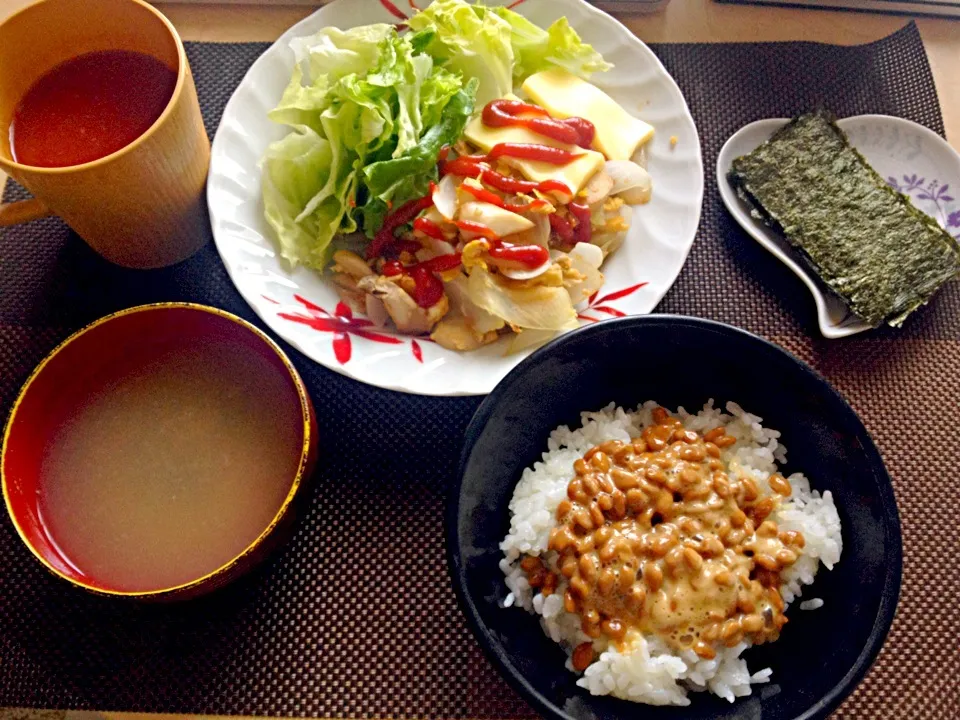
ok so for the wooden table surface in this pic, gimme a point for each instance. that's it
(681, 21)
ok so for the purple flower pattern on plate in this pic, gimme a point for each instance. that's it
(917, 188)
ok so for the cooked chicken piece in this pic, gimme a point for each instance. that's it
(405, 313)
(455, 333)
(351, 264)
(348, 291)
(375, 310)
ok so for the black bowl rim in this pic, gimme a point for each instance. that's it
(893, 550)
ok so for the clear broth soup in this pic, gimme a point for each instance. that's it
(165, 475)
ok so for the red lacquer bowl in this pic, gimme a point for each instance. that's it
(119, 343)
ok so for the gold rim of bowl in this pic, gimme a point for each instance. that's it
(226, 568)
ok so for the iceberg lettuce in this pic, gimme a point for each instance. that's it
(369, 109)
(363, 107)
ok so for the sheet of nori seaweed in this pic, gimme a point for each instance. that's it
(868, 242)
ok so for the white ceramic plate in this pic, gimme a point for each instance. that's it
(301, 306)
(913, 159)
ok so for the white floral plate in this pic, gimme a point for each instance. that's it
(913, 159)
(301, 306)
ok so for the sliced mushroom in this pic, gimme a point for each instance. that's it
(405, 313)
(598, 188)
(351, 264)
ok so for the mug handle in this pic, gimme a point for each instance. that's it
(23, 211)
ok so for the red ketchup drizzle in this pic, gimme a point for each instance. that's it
(531, 256)
(478, 228)
(401, 216)
(427, 288)
(429, 228)
(581, 233)
(532, 151)
(485, 195)
(563, 230)
(507, 113)
(441, 263)
(473, 166)
(392, 268)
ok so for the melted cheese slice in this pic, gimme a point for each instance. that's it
(574, 174)
(564, 95)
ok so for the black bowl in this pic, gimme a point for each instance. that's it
(821, 654)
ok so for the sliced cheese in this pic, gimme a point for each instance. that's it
(574, 174)
(563, 95)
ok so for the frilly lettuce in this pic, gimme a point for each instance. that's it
(368, 117)
(499, 46)
(559, 45)
(369, 110)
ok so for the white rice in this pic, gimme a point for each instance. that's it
(646, 670)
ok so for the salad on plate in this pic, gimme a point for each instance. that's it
(457, 177)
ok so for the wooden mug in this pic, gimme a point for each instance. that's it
(141, 206)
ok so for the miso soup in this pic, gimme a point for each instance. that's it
(164, 475)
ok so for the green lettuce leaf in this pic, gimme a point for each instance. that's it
(473, 43)
(356, 98)
(536, 49)
(409, 175)
(499, 46)
(369, 110)
(296, 170)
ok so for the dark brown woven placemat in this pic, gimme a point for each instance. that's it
(355, 617)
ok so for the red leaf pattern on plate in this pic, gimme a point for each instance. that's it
(596, 304)
(342, 348)
(343, 325)
(610, 311)
(619, 294)
(400, 15)
(393, 9)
